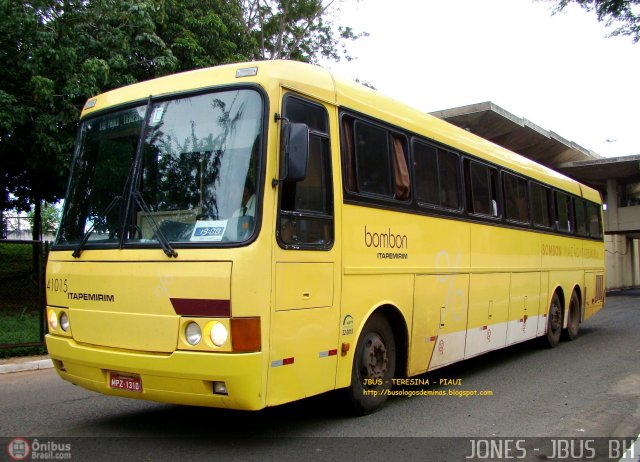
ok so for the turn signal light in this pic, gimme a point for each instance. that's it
(245, 334)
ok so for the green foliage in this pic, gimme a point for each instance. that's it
(16, 261)
(50, 216)
(624, 14)
(19, 328)
(300, 30)
(202, 33)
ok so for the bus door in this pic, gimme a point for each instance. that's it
(304, 322)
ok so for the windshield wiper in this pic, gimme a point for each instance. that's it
(85, 237)
(162, 239)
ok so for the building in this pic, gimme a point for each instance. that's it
(617, 179)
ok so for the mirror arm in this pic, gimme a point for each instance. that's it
(275, 181)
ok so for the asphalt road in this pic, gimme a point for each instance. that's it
(587, 388)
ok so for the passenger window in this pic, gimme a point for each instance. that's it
(372, 159)
(375, 160)
(595, 222)
(437, 176)
(563, 212)
(581, 220)
(306, 206)
(516, 203)
(540, 200)
(481, 186)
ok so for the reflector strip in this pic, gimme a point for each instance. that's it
(324, 354)
(282, 362)
(433, 339)
(201, 307)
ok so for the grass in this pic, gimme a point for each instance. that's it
(16, 259)
(19, 301)
(19, 283)
(20, 328)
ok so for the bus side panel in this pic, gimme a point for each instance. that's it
(524, 302)
(593, 259)
(362, 294)
(594, 293)
(545, 301)
(439, 319)
(488, 313)
(303, 354)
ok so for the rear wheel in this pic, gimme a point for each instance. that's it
(573, 323)
(554, 323)
(374, 365)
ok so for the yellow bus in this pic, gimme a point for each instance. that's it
(252, 234)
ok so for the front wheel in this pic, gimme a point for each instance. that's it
(374, 365)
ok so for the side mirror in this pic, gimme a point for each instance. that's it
(296, 152)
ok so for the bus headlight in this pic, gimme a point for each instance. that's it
(64, 321)
(53, 320)
(219, 334)
(193, 333)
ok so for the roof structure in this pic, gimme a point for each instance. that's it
(546, 147)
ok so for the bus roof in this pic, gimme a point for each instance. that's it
(321, 84)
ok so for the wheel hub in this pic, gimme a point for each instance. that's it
(375, 359)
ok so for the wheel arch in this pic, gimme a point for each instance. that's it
(398, 324)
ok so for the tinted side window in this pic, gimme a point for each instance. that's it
(515, 198)
(372, 159)
(563, 212)
(595, 223)
(437, 176)
(540, 200)
(425, 166)
(449, 169)
(375, 160)
(580, 215)
(481, 186)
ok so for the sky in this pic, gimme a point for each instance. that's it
(559, 71)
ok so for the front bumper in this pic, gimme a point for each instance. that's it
(181, 377)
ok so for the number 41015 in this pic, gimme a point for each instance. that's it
(57, 285)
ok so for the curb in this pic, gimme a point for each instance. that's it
(26, 366)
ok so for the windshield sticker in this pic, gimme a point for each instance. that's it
(208, 231)
(156, 117)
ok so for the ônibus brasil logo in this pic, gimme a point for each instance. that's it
(18, 449)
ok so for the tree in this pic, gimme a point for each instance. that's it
(625, 14)
(202, 33)
(50, 217)
(301, 30)
(53, 56)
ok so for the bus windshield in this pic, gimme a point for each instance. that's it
(182, 170)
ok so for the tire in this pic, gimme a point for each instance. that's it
(554, 323)
(374, 364)
(573, 323)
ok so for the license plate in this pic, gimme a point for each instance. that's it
(125, 382)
